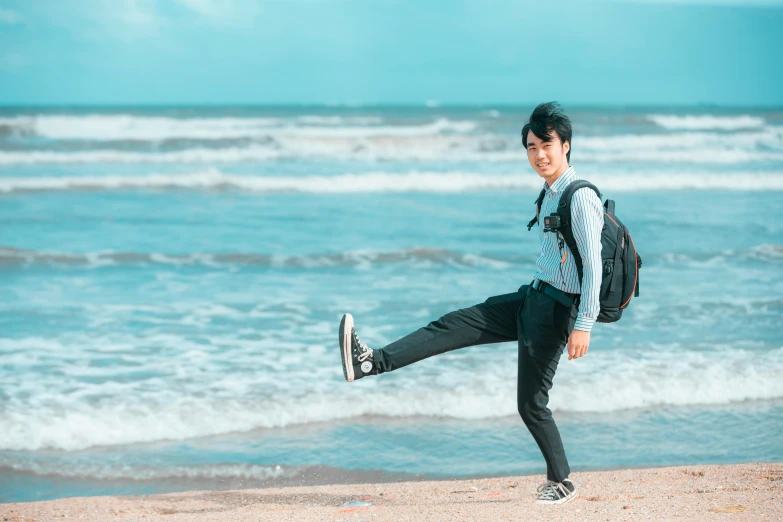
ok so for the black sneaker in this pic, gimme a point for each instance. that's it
(556, 492)
(356, 356)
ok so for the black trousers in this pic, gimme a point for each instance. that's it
(541, 327)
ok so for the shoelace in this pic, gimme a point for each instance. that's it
(549, 490)
(366, 350)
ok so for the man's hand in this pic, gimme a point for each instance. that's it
(578, 342)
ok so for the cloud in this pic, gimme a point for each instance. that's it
(229, 12)
(134, 12)
(12, 60)
(8, 16)
(125, 20)
(204, 7)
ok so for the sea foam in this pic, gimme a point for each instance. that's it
(117, 127)
(707, 121)
(419, 256)
(388, 182)
(84, 407)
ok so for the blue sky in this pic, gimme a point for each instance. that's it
(665, 52)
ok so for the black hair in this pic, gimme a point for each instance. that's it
(548, 118)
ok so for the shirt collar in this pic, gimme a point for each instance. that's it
(563, 181)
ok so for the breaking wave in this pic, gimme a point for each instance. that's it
(119, 127)
(361, 258)
(344, 144)
(386, 182)
(419, 256)
(707, 122)
(135, 472)
(111, 411)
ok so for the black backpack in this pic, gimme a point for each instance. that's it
(620, 260)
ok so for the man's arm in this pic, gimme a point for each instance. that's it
(587, 221)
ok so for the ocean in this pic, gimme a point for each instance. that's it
(172, 281)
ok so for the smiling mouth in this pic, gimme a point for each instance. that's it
(542, 165)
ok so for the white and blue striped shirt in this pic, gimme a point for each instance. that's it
(587, 217)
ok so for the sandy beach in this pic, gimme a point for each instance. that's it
(721, 492)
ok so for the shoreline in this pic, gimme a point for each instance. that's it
(752, 491)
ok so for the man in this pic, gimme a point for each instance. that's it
(555, 310)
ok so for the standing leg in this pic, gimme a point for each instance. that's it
(544, 326)
(493, 321)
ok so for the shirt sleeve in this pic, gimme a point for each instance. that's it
(587, 217)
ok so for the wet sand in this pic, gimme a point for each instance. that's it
(750, 492)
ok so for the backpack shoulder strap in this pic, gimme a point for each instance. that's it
(564, 209)
(539, 200)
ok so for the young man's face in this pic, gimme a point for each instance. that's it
(547, 157)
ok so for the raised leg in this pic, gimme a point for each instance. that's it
(493, 321)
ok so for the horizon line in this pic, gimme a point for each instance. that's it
(380, 105)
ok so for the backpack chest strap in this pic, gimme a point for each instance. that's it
(539, 200)
(564, 211)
